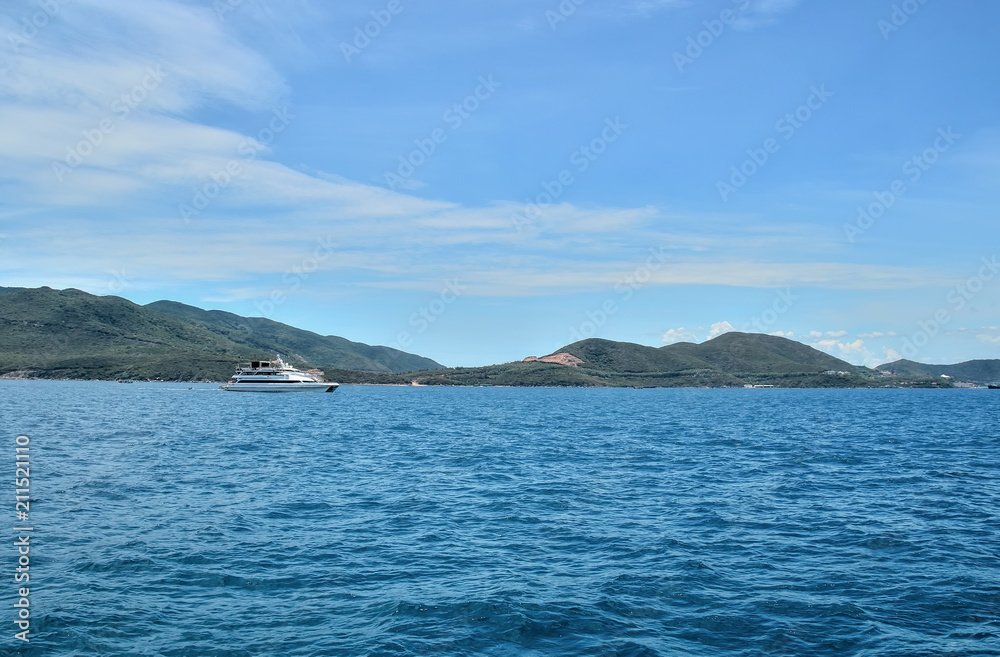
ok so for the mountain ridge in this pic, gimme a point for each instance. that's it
(982, 371)
(71, 334)
(728, 361)
(46, 333)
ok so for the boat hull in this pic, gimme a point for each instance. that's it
(280, 387)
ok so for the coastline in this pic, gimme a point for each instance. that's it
(528, 386)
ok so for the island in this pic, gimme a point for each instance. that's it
(70, 334)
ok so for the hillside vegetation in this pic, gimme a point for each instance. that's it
(69, 334)
(730, 360)
(976, 371)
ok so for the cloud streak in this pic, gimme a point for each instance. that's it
(761, 13)
(118, 208)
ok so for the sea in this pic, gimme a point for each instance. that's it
(181, 520)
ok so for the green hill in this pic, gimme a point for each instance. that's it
(974, 371)
(304, 346)
(46, 333)
(70, 334)
(630, 358)
(737, 355)
(730, 360)
(756, 354)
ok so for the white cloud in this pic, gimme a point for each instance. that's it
(135, 69)
(761, 13)
(648, 7)
(783, 334)
(836, 334)
(853, 352)
(100, 49)
(132, 184)
(852, 347)
(682, 334)
(719, 328)
(989, 334)
(773, 6)
(119, 208)
(815, 334)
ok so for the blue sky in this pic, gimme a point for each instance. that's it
(478, 182)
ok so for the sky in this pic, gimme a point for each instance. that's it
(478, 182)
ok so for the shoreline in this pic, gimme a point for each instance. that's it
(551, 387)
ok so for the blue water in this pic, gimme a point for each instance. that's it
(451, 521)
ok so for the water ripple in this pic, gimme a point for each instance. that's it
(416, 521)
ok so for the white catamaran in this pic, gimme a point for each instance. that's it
(277, 376)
